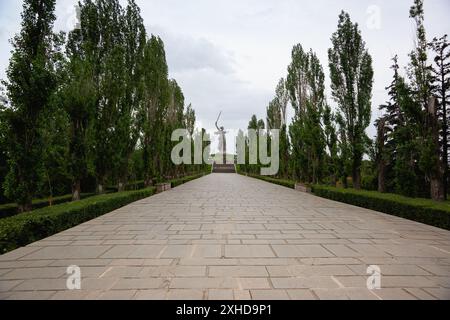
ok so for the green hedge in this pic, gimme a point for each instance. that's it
(11, 209)
(421, 210)
(281, 182)
(26, 228)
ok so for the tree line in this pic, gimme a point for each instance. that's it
(409, 155)
(87, 109)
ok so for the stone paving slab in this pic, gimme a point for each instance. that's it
(252, 240)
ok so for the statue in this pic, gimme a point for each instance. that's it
(222, 140)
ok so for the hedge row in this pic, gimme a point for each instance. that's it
(11, 209)
(281, 182)
(174, 182)
(421, 210)
(23, 229)
(26, 228)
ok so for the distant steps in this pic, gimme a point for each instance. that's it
(224, 168)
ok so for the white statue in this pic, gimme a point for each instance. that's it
(222, 140)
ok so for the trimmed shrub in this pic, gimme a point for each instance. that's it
(282, 182)
(421, 210)
(23, 229)
(11, 209)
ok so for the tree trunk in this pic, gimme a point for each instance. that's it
(445, 147)
(382, 177)
(101, 186)
(76, 190)
(437, 189)
(381, 163)
(437, 186)
(356, 178)
(50, 188)
(148, 181)
(344, 182)
(121, 186)
(334, 180)
(26, 206)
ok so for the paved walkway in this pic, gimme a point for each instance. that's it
(252, 240)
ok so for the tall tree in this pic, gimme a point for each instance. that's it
(351, 84)
(111, 86)
(274, 115)
(380, 154)
(305, 83)
(189, 119)
(331, 141)
(127, 128)
(282, 98)
(31, 82)
(175, 119)
(421, 81)
(397, 150)
(441, 86)
(154, 109)
(79, 97)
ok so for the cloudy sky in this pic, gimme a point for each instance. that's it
(229, 55)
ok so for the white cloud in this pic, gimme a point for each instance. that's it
(187, 53)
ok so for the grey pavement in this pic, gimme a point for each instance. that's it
(227, 237)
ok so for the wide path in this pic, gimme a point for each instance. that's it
(226, 236)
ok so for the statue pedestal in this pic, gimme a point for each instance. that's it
(224, 168)
(221, 158)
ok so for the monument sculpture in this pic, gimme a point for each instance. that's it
(222, 140)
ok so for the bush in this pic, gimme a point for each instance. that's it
(11, 209)
(421, 210)
(281, 182)
(26, 228)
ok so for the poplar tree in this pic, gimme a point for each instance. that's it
(441, 86)
(351, 84)
(31, 83)
(154, 108)
(305, 83)
(128, 129)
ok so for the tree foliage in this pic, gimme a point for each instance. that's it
(351, 84)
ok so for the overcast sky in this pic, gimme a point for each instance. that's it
(229, 55)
